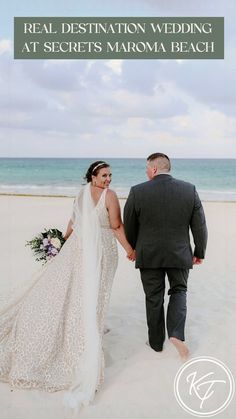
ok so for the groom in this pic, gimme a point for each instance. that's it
(157, 217)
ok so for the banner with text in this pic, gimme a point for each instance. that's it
(119, 38)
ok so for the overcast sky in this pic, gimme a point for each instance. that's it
(129, 108)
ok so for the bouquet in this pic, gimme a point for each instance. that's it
(46, 245)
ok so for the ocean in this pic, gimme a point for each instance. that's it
(215, 179)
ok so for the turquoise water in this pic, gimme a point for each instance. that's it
(215, 179)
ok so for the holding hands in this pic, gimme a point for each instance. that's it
(131, 255)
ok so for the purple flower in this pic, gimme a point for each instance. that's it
(54, 251)
(49, 250)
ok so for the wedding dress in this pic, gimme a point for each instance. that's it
(51, 337)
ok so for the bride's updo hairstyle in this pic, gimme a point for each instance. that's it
(94, 169)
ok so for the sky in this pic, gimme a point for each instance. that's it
(117, 108)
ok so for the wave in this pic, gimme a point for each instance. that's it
(40, 189)
(217, 195)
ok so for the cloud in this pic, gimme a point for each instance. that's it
(207, 81)
(115, 65)
(121, 107)
(5, 46)
(185, 7)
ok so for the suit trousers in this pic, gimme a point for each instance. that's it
(154, 287)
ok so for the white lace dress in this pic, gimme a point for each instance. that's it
(42, 334)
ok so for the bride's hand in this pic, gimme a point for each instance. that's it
(132, 255)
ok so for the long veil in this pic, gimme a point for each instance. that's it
(87, 373)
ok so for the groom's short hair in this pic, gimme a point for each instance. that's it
(164, 161)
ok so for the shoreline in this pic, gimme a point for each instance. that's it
(43, 196)
(73, 196)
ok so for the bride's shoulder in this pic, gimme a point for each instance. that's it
(111, 193)
(111, 196)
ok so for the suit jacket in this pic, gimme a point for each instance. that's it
(158, 215)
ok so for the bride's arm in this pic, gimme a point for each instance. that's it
(116, 224)
(68, 230)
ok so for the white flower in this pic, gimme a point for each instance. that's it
(56, 242)
(45, 242)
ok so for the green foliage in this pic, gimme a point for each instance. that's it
(41, 252)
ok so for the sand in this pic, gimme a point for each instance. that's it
(138, 382)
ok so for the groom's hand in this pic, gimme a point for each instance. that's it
(197, 261)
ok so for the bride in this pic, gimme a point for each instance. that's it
(51, 337)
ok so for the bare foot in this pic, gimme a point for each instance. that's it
(181, 348)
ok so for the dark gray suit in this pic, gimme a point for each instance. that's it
(157, 217)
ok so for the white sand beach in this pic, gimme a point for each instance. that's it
(138, 381)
